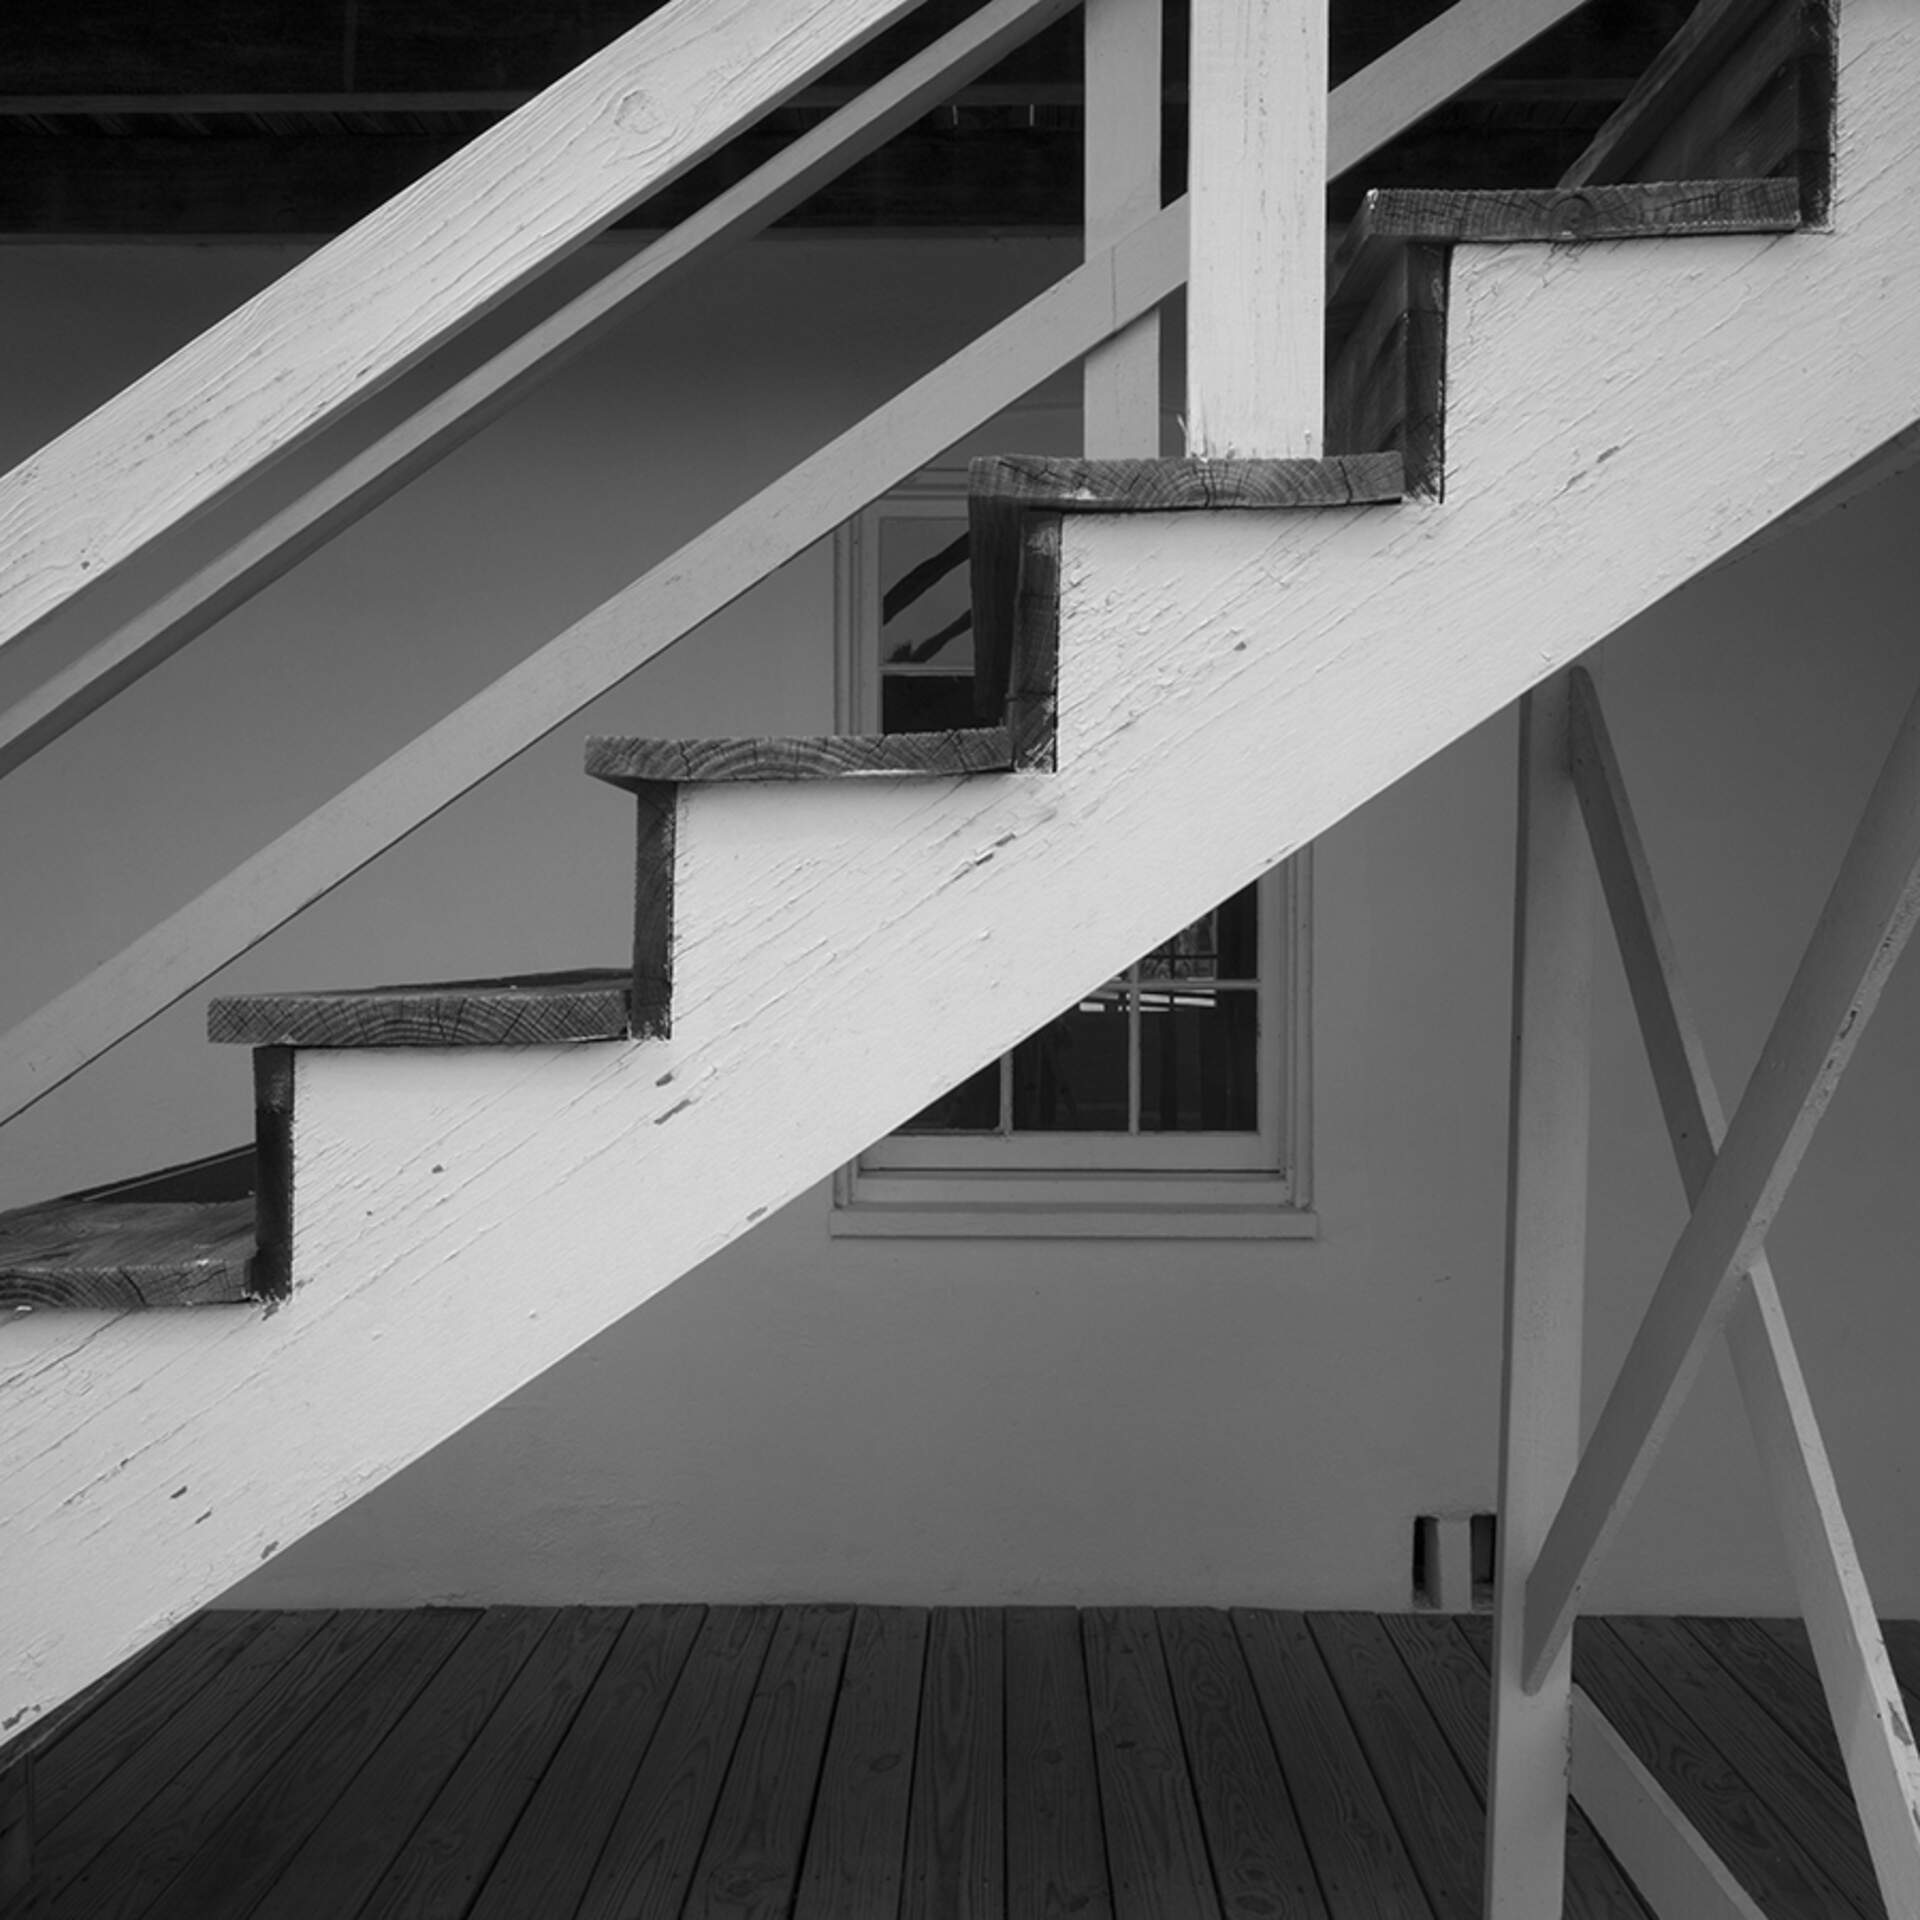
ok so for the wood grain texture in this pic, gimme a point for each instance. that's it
(1756, 1842)
(1260, 1861)
(1268, 688)
(75, 1761)
(656, 814)
(649, 1858)
(1039, 483)
(1862, 930)
(1647, 1828)
(270, 1275)
(344, 1857)
(751, 1861)
(358, 313)
(1108, 293)
(129, 1873)
(956, 1830)
(1787, 1687)
(1156, 1849)
(1453, 1681)
(119, 1254)
(1056, 1846)
(1874, 1726)
(1758, 1750)
(1435, 1810)
(1033, 682)
(534, 1010)
(1256, 169)
(17, 1802)
(1357, 1852)
(241, 1857)
(632, 763)
(452, 1850)
(449, 419)
(550, 1856)
(1386, 374)
(856, 1842)
(1646, 210)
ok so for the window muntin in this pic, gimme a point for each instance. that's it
(1182, 1077)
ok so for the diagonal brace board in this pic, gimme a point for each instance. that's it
(1860, 934)
(617, 638)
(1861, 1690)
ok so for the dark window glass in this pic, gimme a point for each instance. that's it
(1197, 1060)
(1071, 1076)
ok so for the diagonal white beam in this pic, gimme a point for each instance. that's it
(1861, 1690)
(1860, 934)
(618, 637)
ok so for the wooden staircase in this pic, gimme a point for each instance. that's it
(1535, 441)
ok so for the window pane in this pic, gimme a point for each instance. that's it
(1220, 945)
(926, 610)
(971, 1107)
(925, 702)
(1071, 1076)
(1198, 1055)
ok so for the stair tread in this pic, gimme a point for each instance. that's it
(529, 1009)
(629, 762)
(125, 1253)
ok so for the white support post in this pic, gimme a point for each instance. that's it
(1862, 932)
(1546, 1262)
(1864, 1697)
(1257, 178)
(1121, 379)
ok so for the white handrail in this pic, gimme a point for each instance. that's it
(353, 317)
(406, 790)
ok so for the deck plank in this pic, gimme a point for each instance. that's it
(83, 1755)
(956, 1827)
(649, 1858)
(439, 1871)
(1156, 1848)
(856, 1846)
(129, 1875)
(344, 1857)
(1786, 1688)
(235, 1864)
(1753, 1743)
(1752, 1839)
(1357, 1853)
(550, 1857)
(751, 1862)
(1056, 1846)
(1432, 1805)
(64, 1851)
(1261, 1865)
(1454, 1682)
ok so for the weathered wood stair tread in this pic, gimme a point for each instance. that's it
(633, 763)
(1033, 483)
(126, 1253)
(529, 1010)
(1393, 217)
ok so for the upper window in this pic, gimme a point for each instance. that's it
(1167, 1101)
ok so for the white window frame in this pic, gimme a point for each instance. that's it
(1068, 1184)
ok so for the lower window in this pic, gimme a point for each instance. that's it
(1167, 1102)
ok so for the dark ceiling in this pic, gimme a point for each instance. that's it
(263, 117)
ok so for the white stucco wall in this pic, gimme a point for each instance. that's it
(937, 1420)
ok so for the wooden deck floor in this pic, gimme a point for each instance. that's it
(836, 1763)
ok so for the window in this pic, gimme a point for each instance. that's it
(1167, 1102)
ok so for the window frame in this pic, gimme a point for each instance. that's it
(1045, 1184)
